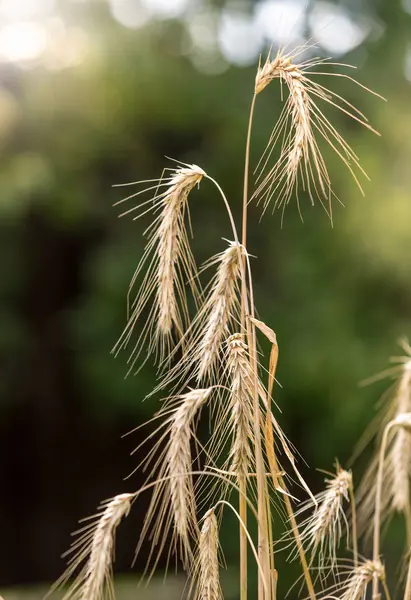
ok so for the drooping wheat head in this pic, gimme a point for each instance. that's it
(321, 531)
(94, 546)
(173, 503)
(240, 459)
(220, 312)
(209, 579)
(356, 585)
(169, 267)
(301, 163)
(221, 308)
(395, 495)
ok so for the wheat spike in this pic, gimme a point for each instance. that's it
(355, 588)
(95, 545)
(173, 503)
(179, 461)
(203, 342)
(221, 308)
(241, 403)
(397, 461)
(321, 532)
(209, 581)
(169, 267)
(300, 121)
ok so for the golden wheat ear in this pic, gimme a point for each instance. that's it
(203, 354)
(93, 553)
(209, 587)
(395, 496)
(167, 267)
(322, 530)
(172, 510)
(301, 165)
(353, 582)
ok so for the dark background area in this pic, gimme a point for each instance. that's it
(94, 93)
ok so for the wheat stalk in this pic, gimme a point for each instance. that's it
(169, 267)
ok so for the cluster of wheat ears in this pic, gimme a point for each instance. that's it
(212, 359)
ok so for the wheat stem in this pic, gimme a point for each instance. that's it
(377, 511)
(263, 545)
(246, 170)
(250, 541)
(354, 524)
(407, 594)
(227, 205)
(278, 479)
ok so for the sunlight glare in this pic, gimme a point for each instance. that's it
(336, 30)
(19, 10)
(22, 41)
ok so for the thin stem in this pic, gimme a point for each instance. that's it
(386, 590)
(227, 205)
(407, 594)
(296, 534)
(242, 525)
(407, 517)
(246, 170)
(377, 510)
(243, 538)
(354, 525)
(264, 590)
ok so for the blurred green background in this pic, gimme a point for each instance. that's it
(95, 93)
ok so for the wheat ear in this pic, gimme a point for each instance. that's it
(169, 267)
(209, 580)
(355, 588)
(241, 404)
(301, 118)
(321, 532)
(402, 421)
(95, 545)
(395, 495)
(398, 460)
(179, 461)
(221, 308)
(203, 342)
(173, 503)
